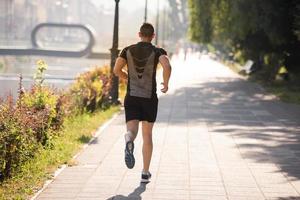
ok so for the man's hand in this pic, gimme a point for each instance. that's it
(165, 63)
(165, 88)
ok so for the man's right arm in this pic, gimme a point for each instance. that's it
(165, 63)
(118, 69)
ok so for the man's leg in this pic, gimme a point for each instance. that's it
(147, 144)
(132, 129)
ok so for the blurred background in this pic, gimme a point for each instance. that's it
(18, 18)
(258, 39)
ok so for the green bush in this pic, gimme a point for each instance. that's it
(91, 90)
(17, 136)
(43, 101)
(30, 123)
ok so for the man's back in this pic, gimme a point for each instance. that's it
(142, 59)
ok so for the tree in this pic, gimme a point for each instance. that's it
(200, 20)
(297, 21)
(253, 27)
(178, 18)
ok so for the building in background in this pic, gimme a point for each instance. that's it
(6, 19)
(19, 17)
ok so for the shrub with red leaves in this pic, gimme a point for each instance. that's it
(17, 136)
(29, 124)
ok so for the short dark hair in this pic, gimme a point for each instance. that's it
(147, 30)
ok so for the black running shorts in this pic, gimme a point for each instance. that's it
(142, 109)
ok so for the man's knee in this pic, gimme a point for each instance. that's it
(132, 132)
(133, 126)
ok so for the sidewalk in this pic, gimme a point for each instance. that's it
(216, 137)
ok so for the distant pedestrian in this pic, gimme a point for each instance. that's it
(141, 100)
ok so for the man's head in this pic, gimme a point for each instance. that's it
(147, 32)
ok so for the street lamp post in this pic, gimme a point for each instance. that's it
(164, 27)
(146, 11)
(157, 23)
(114, 92)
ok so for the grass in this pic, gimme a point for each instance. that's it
(1, 66)
(31, 177)
(288, 92)
(233, 66)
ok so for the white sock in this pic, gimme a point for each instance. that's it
(128, 136)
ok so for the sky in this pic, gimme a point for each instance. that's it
(129, 5)
(131, 17)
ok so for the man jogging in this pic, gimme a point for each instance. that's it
(141, 99)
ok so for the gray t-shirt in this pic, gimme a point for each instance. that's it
(142, 59)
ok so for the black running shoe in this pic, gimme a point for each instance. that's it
(129, 158)
(145, 177)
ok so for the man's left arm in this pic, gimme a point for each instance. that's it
(118, 69)
(165, 63)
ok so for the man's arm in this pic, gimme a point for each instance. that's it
(165, 63)
(118, 69)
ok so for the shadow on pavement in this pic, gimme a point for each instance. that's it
(264, 130)
(84, 139)
(135, 195)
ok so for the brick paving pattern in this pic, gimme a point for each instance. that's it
(216, 137)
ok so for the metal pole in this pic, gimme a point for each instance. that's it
(146, 11)
(164, 27)
(157, 23)
(6, 21)
(114, 92)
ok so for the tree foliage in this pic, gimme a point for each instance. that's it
(177, 19)
(297, 21)
(253, 27)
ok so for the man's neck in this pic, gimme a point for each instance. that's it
(145, 40)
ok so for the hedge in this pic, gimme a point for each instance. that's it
(28, 123)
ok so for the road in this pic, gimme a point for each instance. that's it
(60, 73)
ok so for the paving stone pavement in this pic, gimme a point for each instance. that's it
(216, 137)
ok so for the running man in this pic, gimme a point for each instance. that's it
(141, 99)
